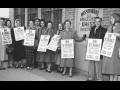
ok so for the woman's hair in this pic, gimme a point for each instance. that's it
(43, 20)
(16, 21)
(2, 19)
(30, 20)
(8, 21)
(116, 16)
(62, 25)
(67, 20)
(50, 22)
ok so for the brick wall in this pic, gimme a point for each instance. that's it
(69, 13)
(106, 14)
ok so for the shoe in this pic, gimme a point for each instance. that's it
(41, 68)
(9, 67)
(70, 76)
(58, 71)
(22, 67)
(63, 74)
(3, 68)
(28, 68)
(89, 80)
(48, 71)
(0, 68)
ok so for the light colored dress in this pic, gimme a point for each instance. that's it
(2, 49)
(111, 65)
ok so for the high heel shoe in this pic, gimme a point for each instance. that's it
(48, 71)
(63, 74)
(70, 76)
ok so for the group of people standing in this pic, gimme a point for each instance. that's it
(20, 53)
(108, 68)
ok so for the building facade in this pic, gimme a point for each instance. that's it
(81, 18)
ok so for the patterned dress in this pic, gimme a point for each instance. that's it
(29, 53)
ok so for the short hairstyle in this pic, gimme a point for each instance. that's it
(50, 22)
(116, 16)
(62, 25)
(43, 20)
(67, 20)
(30, 20)
(7, 21)
(98, 18)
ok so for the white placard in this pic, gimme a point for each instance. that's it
(53, 45)
(93, 49)
(19, 33)
(6, 36)
(108, 45)
(42, 47)
(67, 48)
(29, 38)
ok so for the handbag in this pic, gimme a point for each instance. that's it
(9, 50)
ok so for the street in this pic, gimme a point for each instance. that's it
(12, 74)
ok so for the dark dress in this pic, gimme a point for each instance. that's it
(19, 50)
(10, 55)
(49, 55)
(41, 55)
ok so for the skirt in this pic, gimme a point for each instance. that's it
(2, 53)
(49, 56)
(29, 52)
(67, 62)
(58, 58)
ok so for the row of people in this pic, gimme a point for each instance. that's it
(30, 53)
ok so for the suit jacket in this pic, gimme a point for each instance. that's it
(99, 34)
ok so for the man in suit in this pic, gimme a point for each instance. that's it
(95, 67)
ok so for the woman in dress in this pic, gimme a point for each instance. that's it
(19, 49)
(111, 65)
(58, 52)
(49, 55)
(2, 47)
(68, 33)
(41, 55)
(29, 50)
(8, 24)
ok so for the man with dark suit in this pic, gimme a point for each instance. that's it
(95, 67)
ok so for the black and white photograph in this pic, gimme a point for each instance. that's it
(59, 44)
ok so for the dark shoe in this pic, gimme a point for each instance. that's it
(70, 76)
(9, 67)
(0, 68)
(63, 74)
(3, 68)
(89, 80)
(58, 71)
(30, 68)
(41, 68)
(48, 71)
(22, 67)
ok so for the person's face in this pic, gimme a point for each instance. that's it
(37, 22)
(112, 20)
(97, 22)
(60, 27)
(1, 22)
(67, 25)
(31, 24)
(49, 25)
(8, 23)
(42, 24)
(17, 23)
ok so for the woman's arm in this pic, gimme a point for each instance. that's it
(79, 39)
